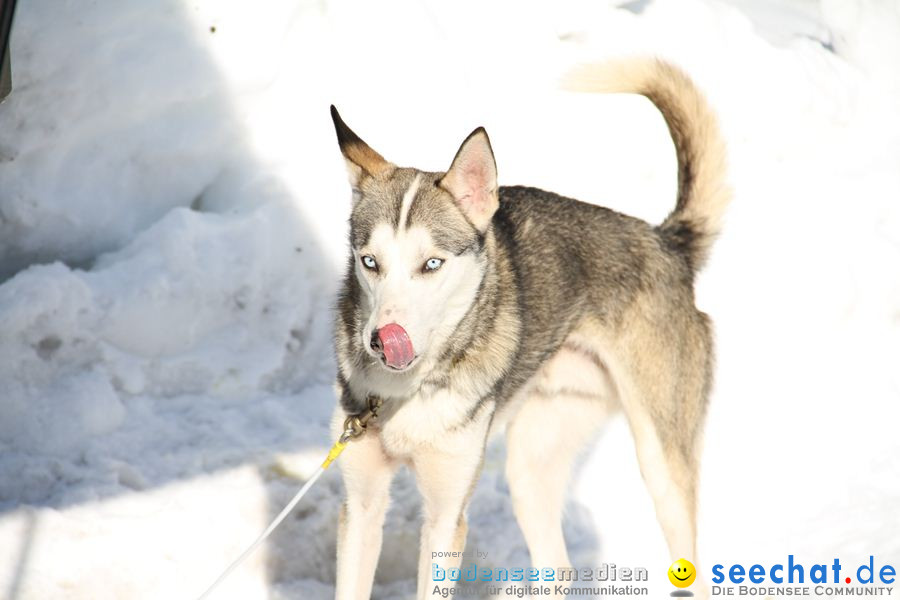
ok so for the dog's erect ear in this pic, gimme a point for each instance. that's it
(361, 159)
(472, 179)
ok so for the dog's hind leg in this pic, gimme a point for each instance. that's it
(665, 381)
(543, 441)
(671, 479)
(367, 474)
(670, 474)
(568, 401)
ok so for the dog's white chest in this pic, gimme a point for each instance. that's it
(437, 420)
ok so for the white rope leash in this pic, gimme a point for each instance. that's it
(333, 454)
(354, 426)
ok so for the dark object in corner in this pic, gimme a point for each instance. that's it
(5, 79)
(6, 15)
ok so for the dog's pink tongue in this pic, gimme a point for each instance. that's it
(398, 349)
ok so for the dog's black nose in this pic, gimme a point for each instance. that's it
(375, 342)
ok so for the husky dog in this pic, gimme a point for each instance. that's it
(469, 307)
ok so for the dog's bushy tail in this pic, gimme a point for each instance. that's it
(703, 192)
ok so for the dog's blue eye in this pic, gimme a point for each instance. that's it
(369, 263)
(433, 264)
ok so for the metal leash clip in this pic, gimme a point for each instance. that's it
(355, 425)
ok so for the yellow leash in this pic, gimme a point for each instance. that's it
(354, 427)
(333, 453)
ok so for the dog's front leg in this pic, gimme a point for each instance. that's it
(446, 475)
(367, 474)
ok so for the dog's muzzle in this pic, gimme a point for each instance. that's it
(393, 344)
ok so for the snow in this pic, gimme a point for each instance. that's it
(172, 228)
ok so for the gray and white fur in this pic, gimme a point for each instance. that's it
(544, 316)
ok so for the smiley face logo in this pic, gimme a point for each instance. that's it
(682, 573)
